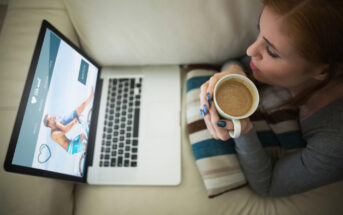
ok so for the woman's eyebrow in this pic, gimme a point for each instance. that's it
(265, 39)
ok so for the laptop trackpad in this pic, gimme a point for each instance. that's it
(163, 119)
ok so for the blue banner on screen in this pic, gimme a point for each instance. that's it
(83, 72)
(55, 127)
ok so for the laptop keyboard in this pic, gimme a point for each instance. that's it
(120, 134)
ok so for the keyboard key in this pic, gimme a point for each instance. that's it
(135, 142)
(120, 161)
(134, 164)
(113, 162)
(136, 123)
(114, 153)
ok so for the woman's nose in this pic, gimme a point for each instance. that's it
(254, 50)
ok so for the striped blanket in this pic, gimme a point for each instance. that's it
(216, 160)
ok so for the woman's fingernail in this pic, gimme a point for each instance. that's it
(205, 109)
(208, 99)
(221, 124)
(202, 112)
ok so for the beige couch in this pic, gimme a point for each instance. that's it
(136, 33)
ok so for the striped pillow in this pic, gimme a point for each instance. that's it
(216, 160)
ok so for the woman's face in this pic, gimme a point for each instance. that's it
(274, 60)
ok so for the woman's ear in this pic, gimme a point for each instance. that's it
(322, 72)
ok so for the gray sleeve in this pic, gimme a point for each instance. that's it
(320, 163)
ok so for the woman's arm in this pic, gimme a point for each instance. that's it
(320, 163)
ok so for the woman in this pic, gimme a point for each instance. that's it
(300, 48)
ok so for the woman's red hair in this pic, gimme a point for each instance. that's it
(316, 29)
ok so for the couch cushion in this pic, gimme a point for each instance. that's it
(36, 4)
(164, 32)
(22, 194)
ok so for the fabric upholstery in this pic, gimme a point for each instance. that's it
(22, 194)
(164, 32)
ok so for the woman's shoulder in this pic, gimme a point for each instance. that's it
(324, 128)
(331, 113)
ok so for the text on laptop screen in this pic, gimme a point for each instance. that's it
(55, 127)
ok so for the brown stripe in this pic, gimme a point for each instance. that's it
(235, 186)
(196, 126)
(275, 117)
(191, 67)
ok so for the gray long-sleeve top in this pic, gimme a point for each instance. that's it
(318, 164)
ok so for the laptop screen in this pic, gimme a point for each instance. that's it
(54, 130)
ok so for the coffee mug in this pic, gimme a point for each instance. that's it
(235, 97)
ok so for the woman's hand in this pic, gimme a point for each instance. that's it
(218, 127)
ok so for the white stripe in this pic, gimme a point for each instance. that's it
(193, 95)
(286, 126)
(199, 72)
(200, 136)
(193, 114)
(261, 125)
(213, 183)
(216, 164)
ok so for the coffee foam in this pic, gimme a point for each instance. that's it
(235, 97)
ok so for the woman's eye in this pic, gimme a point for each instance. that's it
(273, 55)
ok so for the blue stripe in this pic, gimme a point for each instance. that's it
(267, 138)
(196, 82)
(212, 147)
(291, 140)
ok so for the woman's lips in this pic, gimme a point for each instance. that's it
(253, 67)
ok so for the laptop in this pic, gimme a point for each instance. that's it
(78, 122)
